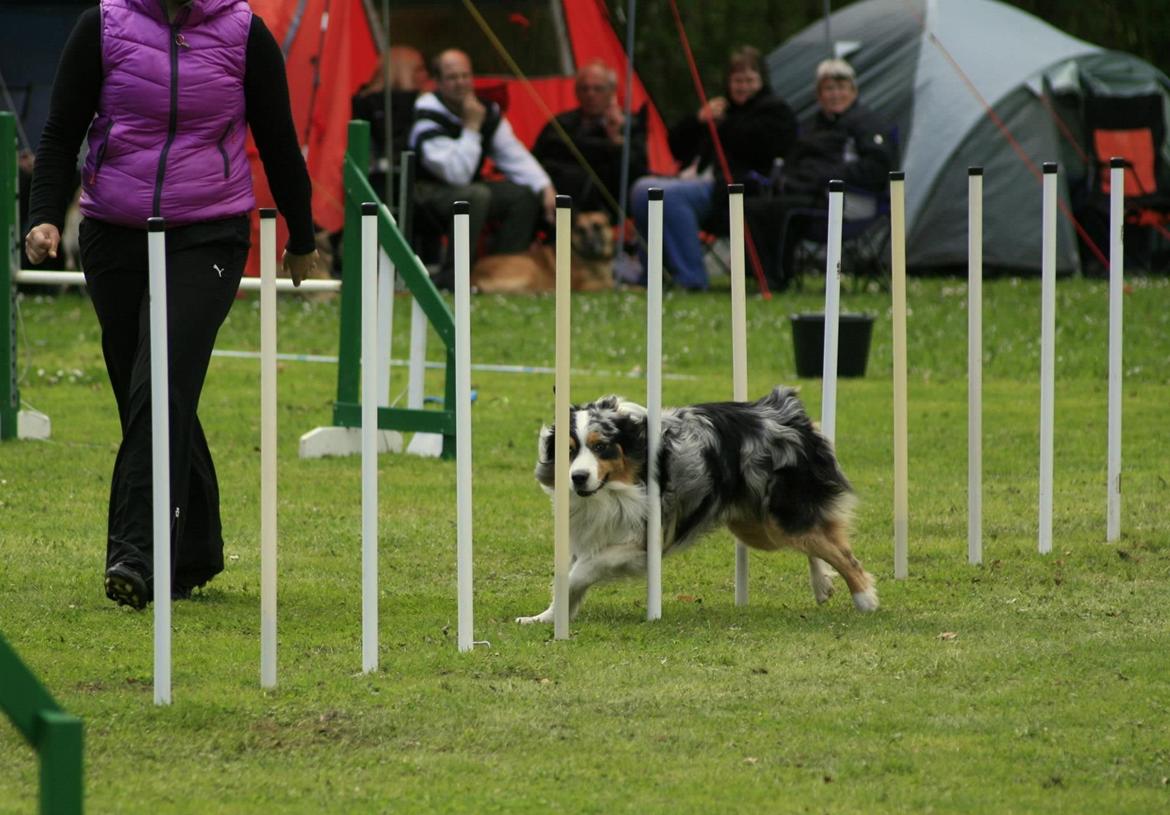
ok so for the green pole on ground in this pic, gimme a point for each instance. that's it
(9, 225)
(54, 734)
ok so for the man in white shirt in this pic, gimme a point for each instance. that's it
(452, 135)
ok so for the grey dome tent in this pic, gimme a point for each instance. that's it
(933, 68)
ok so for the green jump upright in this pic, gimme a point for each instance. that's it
(347, 408)
(53, 733)
(9, 192)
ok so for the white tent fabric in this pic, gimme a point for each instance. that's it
(931, 67)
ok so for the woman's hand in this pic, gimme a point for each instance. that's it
(41, 242)
(714, 110)
(299, 267)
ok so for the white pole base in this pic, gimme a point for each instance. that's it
(32, 424)
(321, 442)
(426, 445)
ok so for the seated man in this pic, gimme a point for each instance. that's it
(453, 133)
(845, 141)
(597, 129)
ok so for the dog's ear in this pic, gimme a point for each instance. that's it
(631, 428)
(544, 445)
(545, 455)
(610, 402)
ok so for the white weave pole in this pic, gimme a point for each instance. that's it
(267, 448)
(1047, 353)
(653, 405)
(462, 210)
(898, 295)
(386, 275)
(421, 444)
(561, 549)
(738, 352)
(832, 310)
(416, 377)
(370, 377)
(974, 365)
(160, 424)
(1116, 275)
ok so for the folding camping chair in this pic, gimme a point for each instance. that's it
(865, 234)
(1132, 128)
(865, 239)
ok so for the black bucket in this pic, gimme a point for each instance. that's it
(808, 344)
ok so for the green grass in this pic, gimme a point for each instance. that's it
(1053, 695)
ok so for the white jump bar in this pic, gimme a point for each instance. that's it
(35, 277)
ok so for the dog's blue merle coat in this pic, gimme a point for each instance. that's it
(759, 468)
(721, 460)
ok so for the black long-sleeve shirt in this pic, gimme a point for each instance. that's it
(76, 92)
(753, 134)
(854, 146)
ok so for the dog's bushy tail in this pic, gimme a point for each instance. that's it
(812, 489)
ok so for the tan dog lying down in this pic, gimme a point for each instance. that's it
(536, 270)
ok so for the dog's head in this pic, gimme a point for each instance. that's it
(607, 447)
(593, 236)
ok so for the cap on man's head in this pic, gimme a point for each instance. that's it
(835, 69)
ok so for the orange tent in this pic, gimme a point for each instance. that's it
(331, 50)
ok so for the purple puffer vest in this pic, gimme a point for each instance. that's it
(169, 134)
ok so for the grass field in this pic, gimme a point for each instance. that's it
(1050, 691)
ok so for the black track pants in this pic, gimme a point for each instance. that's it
(204, 265)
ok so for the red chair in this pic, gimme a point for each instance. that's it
(1132, 128)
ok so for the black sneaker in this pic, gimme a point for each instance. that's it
(126, 586)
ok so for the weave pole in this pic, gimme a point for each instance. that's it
(386, 276)
(898, 296)
(832, 310)
(462, 211)
(160, 457)
(1047, 353)
(653, 405)
(369, 434)
(561, 550)
(421, 444)
(738, 352)
(1116, 276)
(974, 365)
(267, 448)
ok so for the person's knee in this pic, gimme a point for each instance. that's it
(531, 201)
(479, 197)
(522, 202)
(640, 192)
(640, 199)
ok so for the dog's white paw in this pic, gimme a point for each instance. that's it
(866, 601)
(544, 617)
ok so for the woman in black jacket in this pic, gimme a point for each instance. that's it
(844, 140)
(754, 126)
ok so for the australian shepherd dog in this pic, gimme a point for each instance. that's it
(759, 468)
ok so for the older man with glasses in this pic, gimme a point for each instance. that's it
(596, 127)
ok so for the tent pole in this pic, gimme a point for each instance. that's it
(294, 26)
(387, 120)
(628, 126)
(828, 33)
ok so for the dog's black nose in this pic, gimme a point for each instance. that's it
(580, 479)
